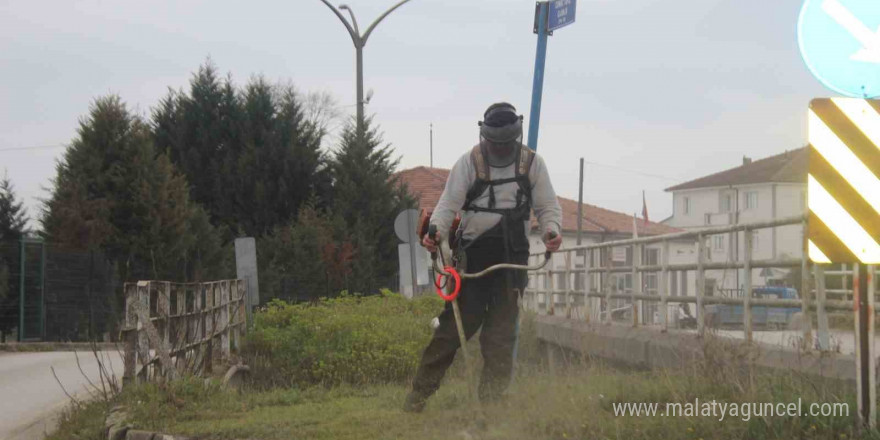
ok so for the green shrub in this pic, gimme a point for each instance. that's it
(349, 339)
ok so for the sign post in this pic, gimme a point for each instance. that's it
(839, 41)
(843, 219)
(548, 17)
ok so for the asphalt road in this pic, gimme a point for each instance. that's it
(30, 397)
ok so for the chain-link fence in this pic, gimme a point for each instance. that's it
(52, 293)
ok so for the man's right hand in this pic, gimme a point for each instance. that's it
(429, 244)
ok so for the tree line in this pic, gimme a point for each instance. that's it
(164, 196)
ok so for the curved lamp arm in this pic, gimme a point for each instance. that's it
(373, 26)
(354, 37)
(354, 21)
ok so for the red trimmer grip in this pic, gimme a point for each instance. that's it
(456, 277)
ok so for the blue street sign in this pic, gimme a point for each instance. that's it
(561, 14)
(840, 43)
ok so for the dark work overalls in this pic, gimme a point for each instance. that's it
(490, 301)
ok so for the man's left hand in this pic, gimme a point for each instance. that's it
(552, 244)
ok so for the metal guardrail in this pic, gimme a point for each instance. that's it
(599, 284)
(172, 328)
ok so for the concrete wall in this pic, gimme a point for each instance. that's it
(679, 350)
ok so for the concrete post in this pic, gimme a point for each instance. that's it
(636, 284)
(664, 288)
(606, 284)
(701, 284)
(568, 285)
(747, 287)
(805, 293)
(588, 285)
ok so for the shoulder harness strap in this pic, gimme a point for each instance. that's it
(524, 165)
(481, 169)
(525, 157)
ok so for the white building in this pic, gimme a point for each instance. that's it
(766, 189)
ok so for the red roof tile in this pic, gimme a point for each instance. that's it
(427, 184)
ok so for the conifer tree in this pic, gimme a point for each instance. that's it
(13, 216)
(13, 226)
(113, 193)
(367, 195)
(251, 155)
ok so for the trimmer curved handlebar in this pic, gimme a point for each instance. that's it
(439, 270)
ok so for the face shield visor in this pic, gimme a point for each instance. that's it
(501, 125)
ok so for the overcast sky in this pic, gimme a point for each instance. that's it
(650, 92)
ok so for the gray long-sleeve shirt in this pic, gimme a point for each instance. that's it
(544, 202)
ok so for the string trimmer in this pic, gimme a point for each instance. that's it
(456, 274)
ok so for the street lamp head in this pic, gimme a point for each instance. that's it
(343, 6)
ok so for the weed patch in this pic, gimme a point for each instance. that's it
(344, 340)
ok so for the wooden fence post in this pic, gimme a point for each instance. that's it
(224, 320)
(143, 346)
(164, 311)
(130, 335)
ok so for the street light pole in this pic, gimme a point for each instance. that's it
(359, 42)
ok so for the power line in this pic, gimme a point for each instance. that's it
(36, 147)
(626, 170)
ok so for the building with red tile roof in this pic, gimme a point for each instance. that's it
(426, 185)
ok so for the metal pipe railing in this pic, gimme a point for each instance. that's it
(604, 283)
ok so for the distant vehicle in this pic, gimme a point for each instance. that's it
(727, 315)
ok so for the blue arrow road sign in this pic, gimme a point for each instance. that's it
(840, 43)
(561, 14)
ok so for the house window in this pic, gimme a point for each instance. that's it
(708, 218)
(686, 205)
(751, 200)
(719, 242)
(726, 203)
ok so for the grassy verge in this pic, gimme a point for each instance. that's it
(83, 421)
(339, 370)
(578, 403)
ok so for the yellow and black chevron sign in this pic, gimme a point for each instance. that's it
(843, 188)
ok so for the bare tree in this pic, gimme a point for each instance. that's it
(322, 111)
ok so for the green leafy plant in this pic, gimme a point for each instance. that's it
(348, 339)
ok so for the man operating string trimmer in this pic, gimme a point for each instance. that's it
(495, 185)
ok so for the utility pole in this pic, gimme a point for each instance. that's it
(432, 145)
(580, 203)
(359, 41)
